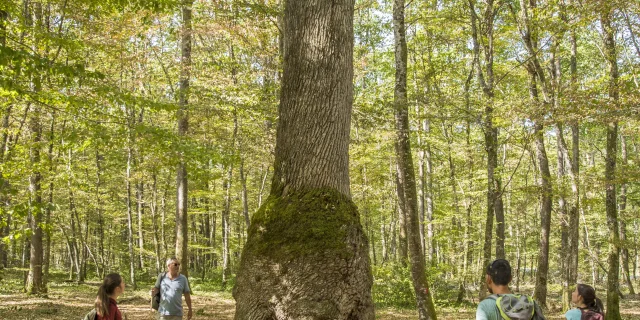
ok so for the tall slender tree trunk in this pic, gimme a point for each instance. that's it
(574, 218)
(429, 197)
(182, 223)
(622, 209)
(154, 221)
(307, 237)
(100, 215)
(537, 74)
(245, 196)
(486, 81)
(402, 217)
(406, 174)
(47, 250)
(422, 179)
(540, 292)
(613, 300)
(4, 136)
(226, 228)
(34, 283)
(140, 212)
(132, 272)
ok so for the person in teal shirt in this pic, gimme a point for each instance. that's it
(498, 277)
(584, 298)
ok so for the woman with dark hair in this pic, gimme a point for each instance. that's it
(106, 306)
(584, 298)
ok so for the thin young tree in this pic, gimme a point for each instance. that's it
(34, 283)
(306, 255)
(406, 173)
(486, 79)
(608, 36)
(182, 224)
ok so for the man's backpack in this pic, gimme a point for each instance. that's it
(92, 315)
(591, 315)
(517, 307)
(155, 299)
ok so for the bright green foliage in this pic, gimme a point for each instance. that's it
(109, 70)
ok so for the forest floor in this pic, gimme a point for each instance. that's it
(67, 300)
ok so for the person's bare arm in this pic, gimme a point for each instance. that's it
(187, 298)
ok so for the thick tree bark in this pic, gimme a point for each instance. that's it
(307, 238)
(182, 224)
(613, 300)
(406, 174)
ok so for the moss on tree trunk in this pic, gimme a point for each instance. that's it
(306, 258)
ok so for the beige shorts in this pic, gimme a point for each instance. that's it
(163, 317)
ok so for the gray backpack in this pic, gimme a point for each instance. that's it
(92, 315)
(517, 307)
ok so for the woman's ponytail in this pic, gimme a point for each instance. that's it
(597, 305)
(108, 286)
(589, 298)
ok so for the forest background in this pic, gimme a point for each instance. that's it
(92, 130)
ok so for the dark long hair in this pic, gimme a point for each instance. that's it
(109, 284)
(589, 298)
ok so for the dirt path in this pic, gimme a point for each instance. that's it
(71, 301)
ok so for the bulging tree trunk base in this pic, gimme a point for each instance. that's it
(306, 258)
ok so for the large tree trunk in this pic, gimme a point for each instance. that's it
(406, 174)
(307, 238)
(613, 300)
(182, 223)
